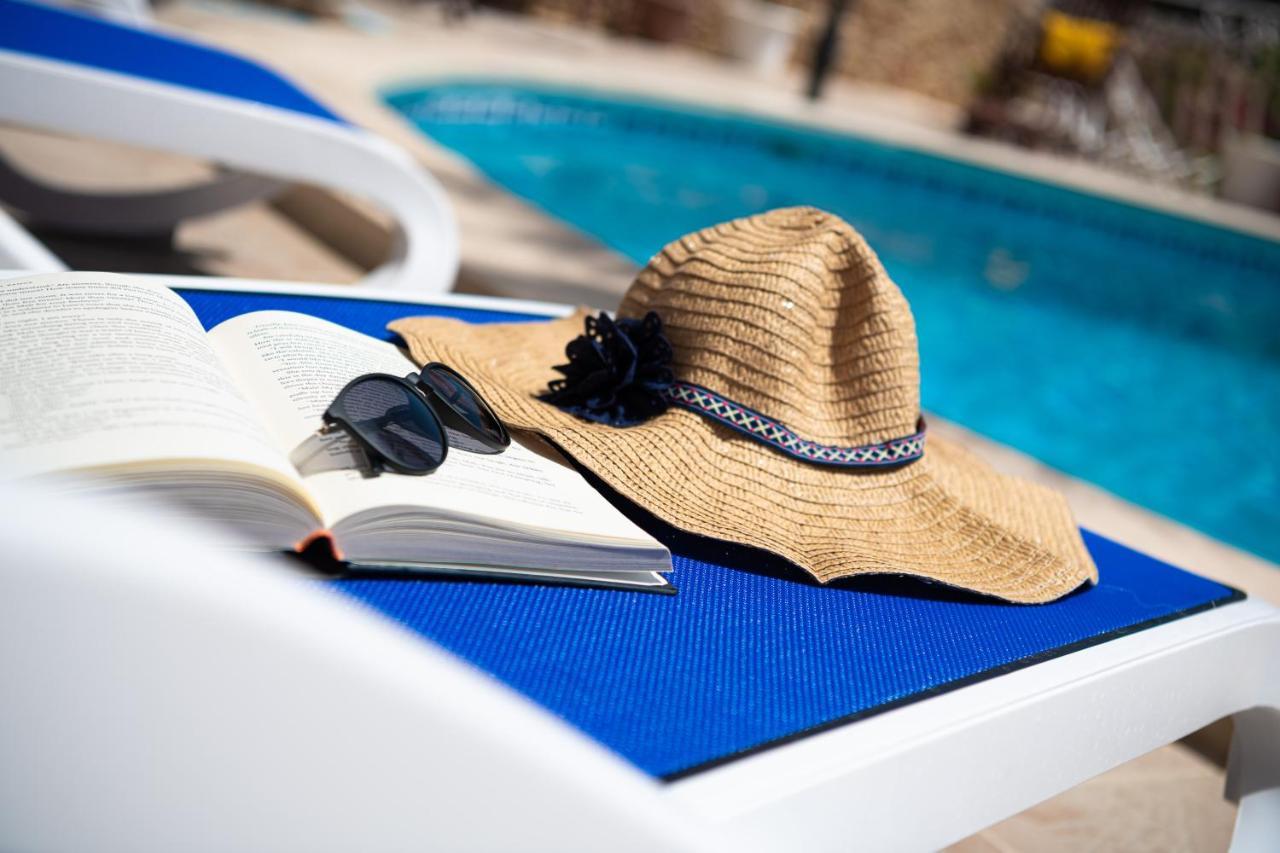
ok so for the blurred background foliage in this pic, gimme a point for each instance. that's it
(1185, 92)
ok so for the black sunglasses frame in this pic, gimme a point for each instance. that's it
(440, 409)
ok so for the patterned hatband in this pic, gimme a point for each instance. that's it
(895, 451)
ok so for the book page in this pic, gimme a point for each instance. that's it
(292, 366)
(100, 370)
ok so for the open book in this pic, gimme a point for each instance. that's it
(115, 379)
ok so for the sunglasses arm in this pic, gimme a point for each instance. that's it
(329, 448)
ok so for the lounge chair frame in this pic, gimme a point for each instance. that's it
(259, 145)
(378, 740)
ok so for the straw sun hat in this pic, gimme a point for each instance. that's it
(783, 414)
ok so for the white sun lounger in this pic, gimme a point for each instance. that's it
(160, 696)
(72, 73)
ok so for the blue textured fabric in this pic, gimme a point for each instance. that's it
(368, 316)
(65, 36)
(751, 652)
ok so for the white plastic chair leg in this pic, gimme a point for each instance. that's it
(1253, 779)
(20, 251)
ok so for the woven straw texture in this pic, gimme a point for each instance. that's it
(791, 314)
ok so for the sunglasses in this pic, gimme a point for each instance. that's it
(407, 425)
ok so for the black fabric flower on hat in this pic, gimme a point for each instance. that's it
(617, 373)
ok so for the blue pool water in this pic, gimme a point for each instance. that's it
(1134, 349)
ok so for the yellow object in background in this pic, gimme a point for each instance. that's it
(1081, 48)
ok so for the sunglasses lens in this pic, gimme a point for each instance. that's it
(455, 392)
(394, 421)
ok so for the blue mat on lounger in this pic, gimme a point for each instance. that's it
(751, 653)
(44, 32)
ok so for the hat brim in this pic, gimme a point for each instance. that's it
(947, 518)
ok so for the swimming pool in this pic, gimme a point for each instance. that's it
(1131, 348)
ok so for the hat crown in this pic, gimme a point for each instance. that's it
(789, 313)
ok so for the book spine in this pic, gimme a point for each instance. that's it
(322, 535)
